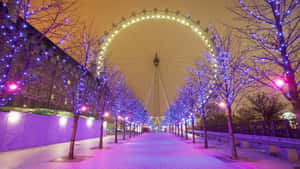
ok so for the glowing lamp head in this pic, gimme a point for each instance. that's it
(83, 108)
(222, 104)
(279, 83)
(119, 117)
(182, 119)
(12, 87)
(106, 114)
(126, 118)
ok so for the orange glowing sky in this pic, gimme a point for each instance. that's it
(134, 48)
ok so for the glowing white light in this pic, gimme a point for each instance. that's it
(89, 122)
(63, 121)
(14, 117)
(196, 29)
(222, 104)
(104, 124)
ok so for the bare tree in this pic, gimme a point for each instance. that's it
(266, 106)
(78, 86)
(273, 29)
(24, 28)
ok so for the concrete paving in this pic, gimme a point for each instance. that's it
(149, 151)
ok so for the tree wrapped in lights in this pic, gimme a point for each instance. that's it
(117, 88)
(273, 29)
(102, 96)
(202, 81)
(22, 45)
(229, 80)
(78, 87)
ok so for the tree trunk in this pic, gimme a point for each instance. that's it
(116, 131)
(181, 130)
(205, 132)
(233, 147)
(186, 131)
(129, 130)
(74, 130)
(193, 130)
(101, 134)
(124, 130)
(133, 129)
(178, 130)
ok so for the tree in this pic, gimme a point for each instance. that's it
(272, 26)
(203, 83)
(229, 80)
(23, 46)
(266, 106)
(78, 87)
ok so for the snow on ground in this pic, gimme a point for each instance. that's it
(150, 151)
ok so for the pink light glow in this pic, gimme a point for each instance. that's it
(279, 83)
(222, 104)
(106, 114)
(13, 87)
(83, 108)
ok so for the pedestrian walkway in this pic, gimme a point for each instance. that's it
(149, 151)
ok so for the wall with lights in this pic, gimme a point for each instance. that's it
(24, 130)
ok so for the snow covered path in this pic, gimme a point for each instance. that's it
(149, 151)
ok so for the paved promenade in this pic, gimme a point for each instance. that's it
(149, 151)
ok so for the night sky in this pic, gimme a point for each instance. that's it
(134, 48)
